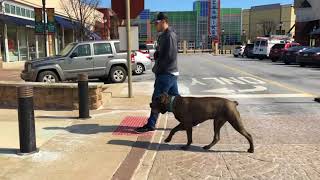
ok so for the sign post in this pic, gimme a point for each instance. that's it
(131, 10)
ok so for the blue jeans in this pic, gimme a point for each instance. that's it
(164, 83)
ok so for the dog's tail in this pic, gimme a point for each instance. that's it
(236, 102)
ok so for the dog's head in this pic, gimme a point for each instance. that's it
(160, 104)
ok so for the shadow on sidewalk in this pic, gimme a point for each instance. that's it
(57, 117)
(95, 129)
(8, 151)
(165, 147)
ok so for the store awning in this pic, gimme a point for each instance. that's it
(18, 21)
(65, 23)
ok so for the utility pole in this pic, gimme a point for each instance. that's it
(44, 27)
(129, 49)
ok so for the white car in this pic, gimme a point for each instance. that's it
(143, 62)
(238, 51)
(148, 48)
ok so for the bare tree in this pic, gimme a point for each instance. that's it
(83, 12)
(268, 27)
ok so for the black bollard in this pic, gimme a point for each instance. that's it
(27, 132)
(83, 91)
(317, 99)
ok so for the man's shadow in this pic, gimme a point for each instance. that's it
(96, 128)
(166, 147)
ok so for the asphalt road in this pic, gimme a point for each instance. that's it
(277, 108)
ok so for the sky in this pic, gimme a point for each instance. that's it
(186, 5)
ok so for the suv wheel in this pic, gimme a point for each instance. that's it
(139, 70)
(118, 74)
(48, 77)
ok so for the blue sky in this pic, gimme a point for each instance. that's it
(180, 5)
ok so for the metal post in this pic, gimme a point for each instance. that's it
(83, 94)
(44, 27)
(129, 50)
(27, 133)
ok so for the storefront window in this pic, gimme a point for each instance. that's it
(13, 9)
(23, 12)
(7, 8)
(41, 46)
(28, 13)
(32, 44)
(23, 46)
(12, 43)
(18, 11)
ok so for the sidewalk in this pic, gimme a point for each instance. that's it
(78, 149)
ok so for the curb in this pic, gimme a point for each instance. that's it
(146, 163)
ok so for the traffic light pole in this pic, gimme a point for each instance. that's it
(129, 50)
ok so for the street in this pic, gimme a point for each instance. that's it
(277, 108)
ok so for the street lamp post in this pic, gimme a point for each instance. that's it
(244, 37)
(222, 40)
(105, 28)
(44, 27)
(280, 27)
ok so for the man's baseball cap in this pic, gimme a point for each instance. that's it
(160, 16)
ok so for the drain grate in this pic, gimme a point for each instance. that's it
(129, 124)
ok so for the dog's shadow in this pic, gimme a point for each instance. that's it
(166, 147)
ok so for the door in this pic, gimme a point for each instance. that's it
(80, 61)
(102, 54)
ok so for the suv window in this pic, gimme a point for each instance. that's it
(150, 46)
(263, 43)
(278, 46)
(142, 47)
(83, 50)
(102, 48)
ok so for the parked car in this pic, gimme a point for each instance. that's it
(143, 62)
(278, 49)
(289, 56)
(248, 51)
(238, 51)
(263, 45)
(98, 59)
(148, 48)
(309, 57)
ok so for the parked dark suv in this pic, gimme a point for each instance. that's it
(277, 50)
(289, 56)
(248, 51)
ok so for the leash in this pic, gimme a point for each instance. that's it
(171, 103)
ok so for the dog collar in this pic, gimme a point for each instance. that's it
(171, 103)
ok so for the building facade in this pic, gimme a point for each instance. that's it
(266, 20)
(231, 24)
(18, 40)
(197, 27)
(307, 22)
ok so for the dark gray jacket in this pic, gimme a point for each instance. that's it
(166, 54)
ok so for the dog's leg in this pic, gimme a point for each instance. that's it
(189, 135)
(237, 125)
(218, 123)
(179, 127)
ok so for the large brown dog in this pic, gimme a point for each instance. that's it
(191, 111)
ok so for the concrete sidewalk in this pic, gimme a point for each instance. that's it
(72, 148)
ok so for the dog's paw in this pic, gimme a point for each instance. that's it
(185, 147)
(167, 140)
(206, 147)
(250, 150)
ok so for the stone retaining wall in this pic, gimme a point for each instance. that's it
(60, 96)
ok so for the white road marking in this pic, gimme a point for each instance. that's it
(232, 80)
(221, 91)
(195, 81)
(251, 80)
(216, 79)
(183, 89)
(256, 89)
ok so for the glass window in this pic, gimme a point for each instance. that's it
(7, 8)
(32, 14)
(13, 9)
(102, 48)
(83, 50)
(23, 12)
(18, 11)
(27, 13)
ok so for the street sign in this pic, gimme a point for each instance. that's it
(51, 21)
(119, 6)
(38, 21)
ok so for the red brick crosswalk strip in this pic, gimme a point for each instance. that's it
(129, 124)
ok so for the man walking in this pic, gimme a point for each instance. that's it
(165, 68)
